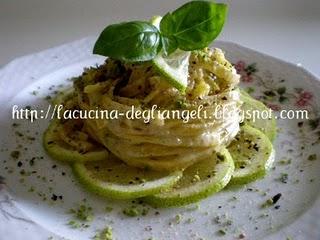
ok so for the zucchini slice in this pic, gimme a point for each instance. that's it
(267, 126)
(75, 146)
(199, 181)
(252, 153)
(114, 179)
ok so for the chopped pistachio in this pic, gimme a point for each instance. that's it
(272, 201)
(283, 178)
(15, 154)
(312, 157)
(83, 213)
(105, 234)
(108, 209)
(267, 203)
(74, 224)
(178, 218)
(135, 211)
(222, 232)
(285, 161)
(190, 220)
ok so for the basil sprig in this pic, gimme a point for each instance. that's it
(192, 26)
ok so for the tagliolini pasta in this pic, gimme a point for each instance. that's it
(161, 144)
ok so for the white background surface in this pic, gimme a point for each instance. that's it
(288, 29)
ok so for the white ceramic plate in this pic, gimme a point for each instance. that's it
(25, 198)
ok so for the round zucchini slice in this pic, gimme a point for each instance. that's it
(267, 126)
(64, 143)
(114, 179)
(252, 153)
(199, 181)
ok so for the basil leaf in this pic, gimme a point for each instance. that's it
(169, 45)
(129, 41)
(194, 25)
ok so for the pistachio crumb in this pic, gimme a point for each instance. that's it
(108, 209)
(105, 234)
(312, 157)
(178, 218)
(222, 232)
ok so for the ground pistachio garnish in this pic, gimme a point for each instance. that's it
(135, 211)
(283, 178)
(105, 234)
(175, 220)
(15, 154)
(83, 213)
(267, 203)
(190, 220)
(223, 220)
(108, 209)
(224, 223)
(312, 157)
(74, 224)
(271, 201)
(82, 216)
(222, 232)
(285, 161)
(178, 218)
